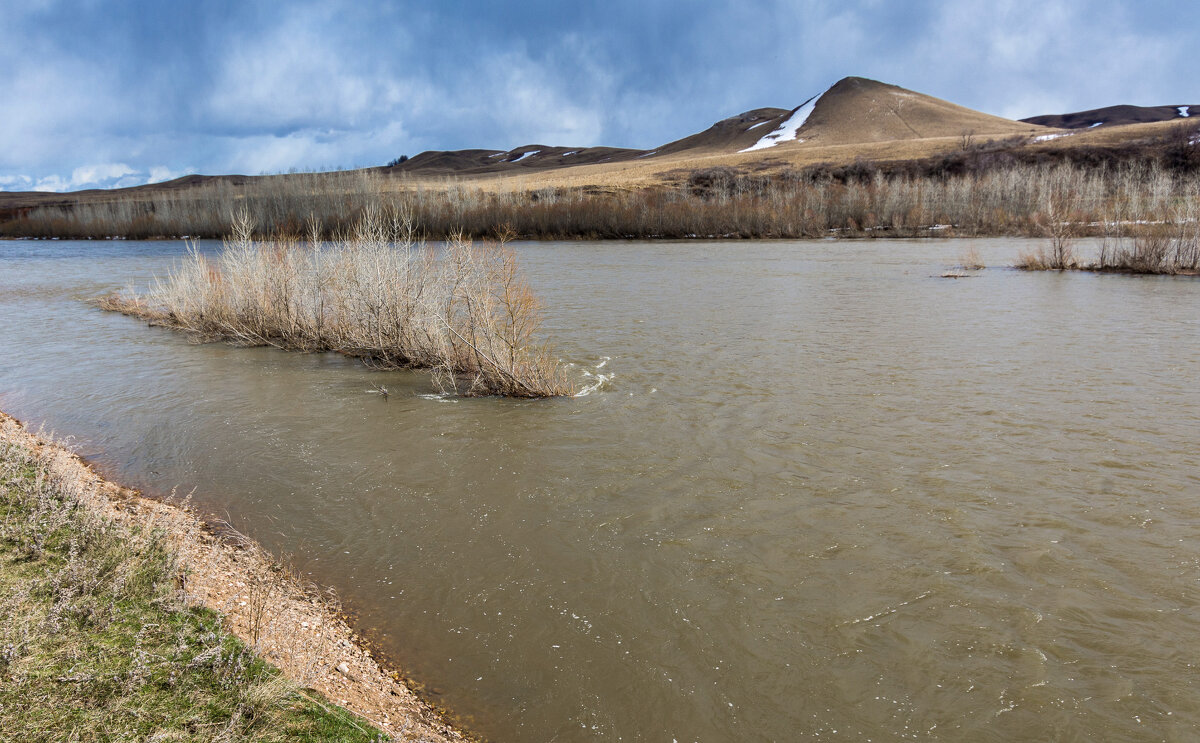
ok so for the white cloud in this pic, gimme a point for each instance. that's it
(309, 148)
(1029, 57)
(51, 183)
(15, 182)
(99, 175)
(160, 173)
(299, 75)
(310, 85)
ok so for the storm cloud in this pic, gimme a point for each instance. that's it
(104, 94)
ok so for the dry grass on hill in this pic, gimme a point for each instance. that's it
(871, 159)
(860, 111)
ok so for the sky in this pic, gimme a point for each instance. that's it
(113, 93)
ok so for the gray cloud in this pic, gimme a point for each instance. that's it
(106, 94)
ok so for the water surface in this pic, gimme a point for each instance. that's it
(825, 493)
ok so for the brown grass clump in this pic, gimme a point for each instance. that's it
(461, 310)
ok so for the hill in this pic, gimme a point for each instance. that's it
(1115, 116)
(857, 110)
(854, 111)
(855, 120)
(527, 157)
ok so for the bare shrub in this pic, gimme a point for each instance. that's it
(970, 260)
(260, 597)
(463, 310)
(1057, 221)
(991, 188)
(1033, 260)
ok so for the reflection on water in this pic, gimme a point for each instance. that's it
(823, 493)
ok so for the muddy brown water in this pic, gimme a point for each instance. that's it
(824, 494)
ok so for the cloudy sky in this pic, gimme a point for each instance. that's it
(104, 93)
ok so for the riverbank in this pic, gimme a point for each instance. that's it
(995, 191)
(1166, 250)
(140, 599)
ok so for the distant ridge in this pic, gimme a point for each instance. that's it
(527, 157)
(731, 134)
(856, 118)
(854, 110)
(1115, 116)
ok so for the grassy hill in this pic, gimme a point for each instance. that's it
(807, 159)
(1115, 116)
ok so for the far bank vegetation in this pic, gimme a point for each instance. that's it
(1169, 244)
(1003, 188)
(460, 309)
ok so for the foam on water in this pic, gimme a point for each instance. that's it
(597, 380)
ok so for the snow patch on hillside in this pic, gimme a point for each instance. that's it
(755, 126)
(1183, 111)
(788, 129)
(1048, 137)
(527, 154)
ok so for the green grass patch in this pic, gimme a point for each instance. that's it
(97, 645)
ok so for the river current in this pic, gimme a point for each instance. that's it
(820, 493)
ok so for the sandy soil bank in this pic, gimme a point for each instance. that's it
(290, 623)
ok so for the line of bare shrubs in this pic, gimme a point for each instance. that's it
(993, 188)
(1170, 246)
(726, 202)
(461, 310)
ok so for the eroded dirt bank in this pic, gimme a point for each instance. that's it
(288, 621)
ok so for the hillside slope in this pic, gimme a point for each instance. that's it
(857, 110)
(1115, 116)
(854, 111)
(527, 157)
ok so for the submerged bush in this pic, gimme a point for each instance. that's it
(461, 310)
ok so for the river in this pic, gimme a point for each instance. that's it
(825, 492)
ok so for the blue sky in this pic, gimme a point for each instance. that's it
(104, 94)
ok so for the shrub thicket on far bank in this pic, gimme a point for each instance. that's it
(460, 309)
(1167, 245)
(989, 189)
(714, 202)
(96, 643)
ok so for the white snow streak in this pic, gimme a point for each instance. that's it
(788, 129)
(755, 126)
(1183, 111)
(527, 154)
